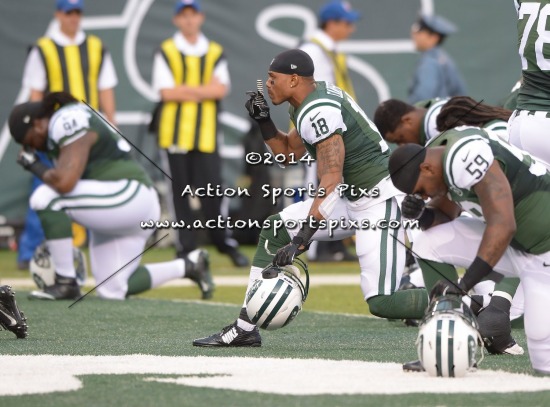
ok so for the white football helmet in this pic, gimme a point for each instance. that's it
(448, 338)
(275, 299)
(42, 269)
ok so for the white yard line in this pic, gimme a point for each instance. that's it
(220, 281)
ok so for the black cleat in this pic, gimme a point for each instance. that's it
(65, 288)
(231, 336)
(11, 318)
(200, 272)
(413, 366)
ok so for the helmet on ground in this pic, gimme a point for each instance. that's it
(448, 338)
(43, 271)
(276, 298)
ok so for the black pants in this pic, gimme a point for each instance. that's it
(198, 170)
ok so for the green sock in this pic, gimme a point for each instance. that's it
(56, 224)
(262, 258)
(433, 272)
(406, 304)
(139, 281)
(509, 285)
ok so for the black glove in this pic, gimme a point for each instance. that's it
(445, 287)
(412, 207)
(31, 162)
(286, 254)
(257, 106)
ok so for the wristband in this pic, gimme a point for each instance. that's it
(475, 273)
(306, 232)
(38, 168)
(267, 128)
(426, 219)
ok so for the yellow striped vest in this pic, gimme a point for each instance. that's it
(73, 68)
(190, 125)
(341, 75)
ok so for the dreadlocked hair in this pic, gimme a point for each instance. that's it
(55, 100)
(389, 113)
(465, 111)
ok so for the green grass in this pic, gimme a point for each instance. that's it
(166, 320)
(97, 327)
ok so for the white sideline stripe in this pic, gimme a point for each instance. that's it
(222, 281)
(32, 374)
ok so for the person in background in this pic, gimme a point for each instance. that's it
(436, 74)
(191, 75)
(66, 59)
(96, 183)
(337, 22)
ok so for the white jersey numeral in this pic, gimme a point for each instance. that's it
(543, 35)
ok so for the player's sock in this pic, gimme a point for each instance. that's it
(56, 224)
(275, 240)
(416, 278)
(244, 322)
(159, 273)
(507, 287)
(434, 271)
(58, 232)
(139, 281)
(62, 256)
(406, 304)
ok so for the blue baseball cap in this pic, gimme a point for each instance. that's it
(68, 5)
(437, 24)
(181, 4)
(338, 10)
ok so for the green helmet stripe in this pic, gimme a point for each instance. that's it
(438, 348)
(277, 306)
(450, 350)
(267, 301)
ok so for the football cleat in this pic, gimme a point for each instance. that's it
(64, 288)
(231, 336)
(200, 272)
(413, 366)
(11, 318)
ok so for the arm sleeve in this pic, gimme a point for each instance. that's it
(68, 125)
(162, 75)
(221, 71)
(467, 162)
(321, 122)
(34, 73)
(107, 76)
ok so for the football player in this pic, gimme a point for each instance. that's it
(467, 167)
(402, 123)
(531, 119)
(337, 133)
(97, 184)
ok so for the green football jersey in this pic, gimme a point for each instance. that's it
(328, 110)
(534, 51)
(469, 152)
(109, 157)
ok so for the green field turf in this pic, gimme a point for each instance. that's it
(167, 324)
